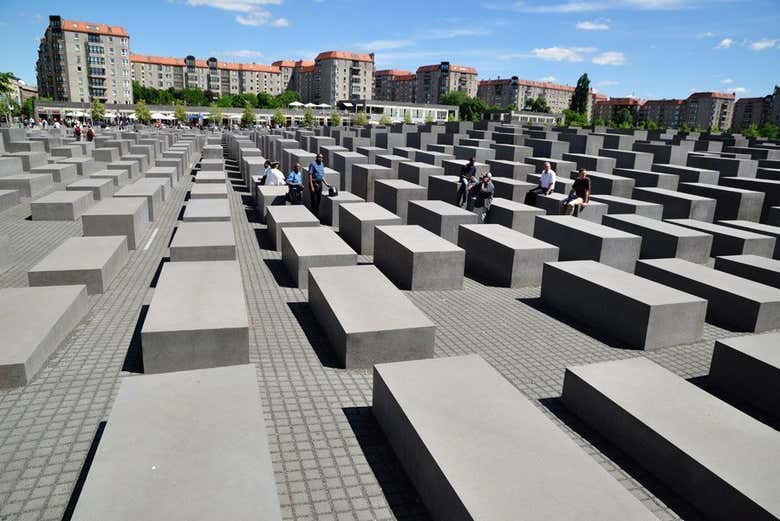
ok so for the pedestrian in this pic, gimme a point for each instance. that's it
(316, 182)
(77, 132)
(274, 177)
(294, 183)
(466, 179)
(579, 196)
(483, 192)
(90, 133)
(546, 184)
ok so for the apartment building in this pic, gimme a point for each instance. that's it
(289, 70)
(709, 110)
(667, 113)
(751, 111)
(394, 85)
(82, 61)
(608, 109)
(517, 92)
(434, 81)
(219, 77)
(342, 75)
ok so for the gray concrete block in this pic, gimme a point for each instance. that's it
(92, 261)
(329, 210)
(131, 168)
(203, 241)
(128, 216)
(727, 167)
(688, 174)
(499, 255)
(208, 191)
(748, 367)
(61, 206)
(547, 148)
(29, 146)
(752, 267)
(117, 177)
(28, 185)
(621, 205)
(313, 247)
(727, 240)
(649, 179)
(710, 453)
(34, 322)
(368, 327)
(8, 198)
(197, 318)
(343, 162)
(514, 215)
(394, 195)
(511, 169)
(652, 315)
(662, 239)
(212, 165)
(592, 162)
(371, 152)
(511, 189)
(60, 173)
(417, 172)
(30, 159)
(507, 152)
(762, 229)
(357, 222)
(211, 177)
(679, 205)
(562, 184)
(579, 239)
(438, 414)
(608, 184)
(279, 217)
(212, 152)
(105, 155)
(364, 177)
(733, 203)
(770, 187)
(207, 210)
(628, 158)
(433, 158)
(733, 302)
(562, 168)
(552, 204)
(84, 165)
(151, 192)
(416, 259)
(440, 217)
(454, 167)
(10, 165)
(100, 188)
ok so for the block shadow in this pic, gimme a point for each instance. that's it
(134, 359)
(705, 384)
(181, 213)
(538, 304)
(74, 497)
(401, 496)
(673, 501)
(263, 239)
(279, 271)
(314, 334)
(157, 272)
(173, 234)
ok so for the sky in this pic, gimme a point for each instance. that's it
(643, 48)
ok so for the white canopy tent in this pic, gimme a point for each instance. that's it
(310, 105)
(295, 104)
(323, 106)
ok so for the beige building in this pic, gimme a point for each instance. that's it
(219, 77)
(289, 70)
(517, 92)
(342, 75)
(21, 92)
(394, 85)
(82, 61)
(709, 110)
(607, 109)
(667, 113)
(434, 81)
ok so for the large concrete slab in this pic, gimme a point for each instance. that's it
(708, 452)
(279, 217)
(462, 433)
(733, 203)
(203, 241)
(662, 239)
(727, 240)
(197, 318)
(394, 195)
(313, 247)
(357, 222)
(192, 444)
(621, 205)
(207, 210)
(34, 322)
(688, 174)
(733, 302)
(679, 205)
(128, 216)
(99, 188)
(649, 179)
(440, 217)
(61, 206)
(60, 173)
(751, 267)
(770, 187)
(152, 192)
(364, 176)
(368, 327)
(512, 214)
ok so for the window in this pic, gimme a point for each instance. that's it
(75, 36)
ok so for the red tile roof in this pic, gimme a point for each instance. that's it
(89, 27)
(164, 60)
(664, 102)
(392, 72)
(344, 55)
(715, 95)
(157, 60)
(453, 68)
(284, 63)
(529, 83)
(621, 101)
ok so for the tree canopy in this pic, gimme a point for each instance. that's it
(180, 114)
(335, 119)
(471, 109)
(308, 118)
(248, 118)
(215, 114)
(97, 111)
(202, 98)
(537, 105)
(579, 100)
(142, 112)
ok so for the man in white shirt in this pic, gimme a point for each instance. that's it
(546, 184)
(274, 176)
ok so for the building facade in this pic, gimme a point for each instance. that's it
(342, 75)
(751, 111)
(608, 109)
(218, 77)
(667, 113)
(709, 110)
(394, 85)
(517, 92)
(434, 81)
(82, 61)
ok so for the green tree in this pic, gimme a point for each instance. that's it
(684, 127)
(471, 109)
(226, 101)
(6, 80)
(599, 122)
(624, 117)
(308, 118)
(97, 111)
(215, 114)
(248, 117)
(360, 119)
(28, 108)
(537, 105)
(251, 98)
(179, 113)
(194, 97)
(407, 118)
(335, 119)
(142, 113)
(769, 130)
(451, 117)
(385, 120)
(572, 118)
(286, 97)
(429, 118)
(279, 118)
(579, 100)
(652, 125)
(265, 101)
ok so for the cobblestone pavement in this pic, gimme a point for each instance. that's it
(331, 460)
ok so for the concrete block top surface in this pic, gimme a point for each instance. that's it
(672, 193)
(719, 188)
(189, 234)
(624, 283)
(729, 443)
(441, 207)
(64, 196)
(514, 206)
(718, 229)
(400, 184)
(656, 225)
(368, 211)
(502, 456)
(200, 295)
(91, 182)
(316, 240)
(291, 214)
(370, 166)
(81, 253)
(622, 200)
(117, 206)
(764, 229)
(417, 239)
(727, 282)
(762, 347)
(382, 308)
(27, 315)
(584, 226)
(507, 236)
(170, 170)
(138, 190)
(192, 444)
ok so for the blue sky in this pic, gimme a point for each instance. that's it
(644, 48)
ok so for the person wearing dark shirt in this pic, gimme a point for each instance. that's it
(467, 179)
(579, 196)
(484, 195)
(316, 182)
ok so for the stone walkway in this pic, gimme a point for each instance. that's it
(331, 459)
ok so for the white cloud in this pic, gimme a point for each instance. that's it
(610, 58)
(549, 79)
(381, 45)
(707, 34)
(738, 90)
(763, 44)
(727, 81)
(281, 22)
(607, 83)
(559, 54)
(238, 53)
(595, 25)
(586, 6)
(248, 12)
(725, 43)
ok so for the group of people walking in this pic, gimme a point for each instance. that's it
(296, 181)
